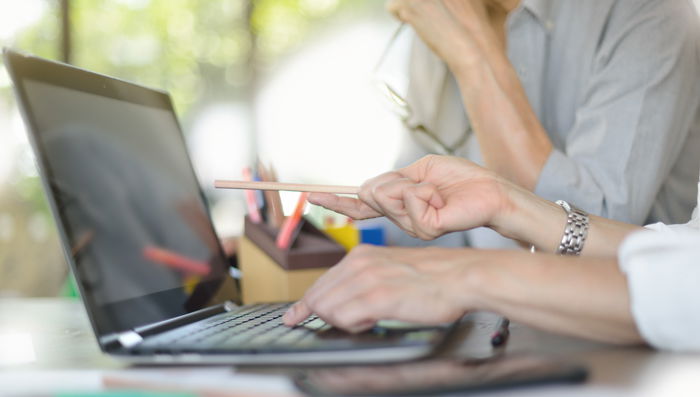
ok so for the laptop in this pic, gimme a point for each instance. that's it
(138, 236)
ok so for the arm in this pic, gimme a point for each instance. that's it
(439, 195)
(541, 223)
(640, 98)
(636, 110)
(433, 285)
(467, 35)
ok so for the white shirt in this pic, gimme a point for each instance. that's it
(663, 272)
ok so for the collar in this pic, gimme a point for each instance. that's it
(542, 10)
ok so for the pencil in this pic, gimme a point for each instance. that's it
(292, 187)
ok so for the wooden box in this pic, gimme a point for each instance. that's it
(269, 274)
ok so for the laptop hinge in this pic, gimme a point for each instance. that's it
(115, 340)
(129, 339)
(189, 318)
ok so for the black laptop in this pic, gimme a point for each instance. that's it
(138, 236)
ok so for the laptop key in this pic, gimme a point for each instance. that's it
(292, 336)
(269, 337)
(317, 325)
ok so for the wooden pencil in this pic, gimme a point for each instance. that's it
(292, 187)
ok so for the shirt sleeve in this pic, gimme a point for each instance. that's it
(662, 272)
(635, 114)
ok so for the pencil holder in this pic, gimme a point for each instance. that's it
(269, 274)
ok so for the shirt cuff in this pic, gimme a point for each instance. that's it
(662, 273)
(560, 179)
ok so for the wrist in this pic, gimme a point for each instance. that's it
(470, 286)
(528, 218)
(470, 72)
(512, 211)
(576, 230)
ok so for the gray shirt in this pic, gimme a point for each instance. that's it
(616, 85)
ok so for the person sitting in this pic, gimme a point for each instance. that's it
(590, 101)
(624, 284)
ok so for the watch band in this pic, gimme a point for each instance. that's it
(575, 232)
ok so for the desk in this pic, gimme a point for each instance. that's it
(52, 348)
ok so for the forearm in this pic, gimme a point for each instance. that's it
(512, 139)
(554, 293)
(534, 220)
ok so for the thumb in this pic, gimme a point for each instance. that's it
(423, 202)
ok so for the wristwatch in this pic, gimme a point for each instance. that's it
(575, 232)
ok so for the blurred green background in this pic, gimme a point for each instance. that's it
(281, 80)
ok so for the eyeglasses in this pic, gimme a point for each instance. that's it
(423, 135)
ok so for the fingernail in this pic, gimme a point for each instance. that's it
(289, 314)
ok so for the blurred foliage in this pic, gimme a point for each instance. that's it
(41, 39)
(197, 50)
(282, 25)
(200, 51)
(183, 46)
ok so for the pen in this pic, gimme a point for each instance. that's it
(275, 215)
(500, 336)
(284, 238)
(260, 198)
(292, 187)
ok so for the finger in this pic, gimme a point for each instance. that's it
(365, 298)
(349, 206)
(367, 189)
(302, 309)
(383, 302)
(389, 197)
(423, 168)
(355, 316)
(296, 314)
(423, 202)
(362, 326)
(359, 259)
(326, 304)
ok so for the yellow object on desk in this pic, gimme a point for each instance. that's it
(347, 235)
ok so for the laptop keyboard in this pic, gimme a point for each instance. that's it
(260, 327)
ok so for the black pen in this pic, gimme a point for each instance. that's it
(500, 336)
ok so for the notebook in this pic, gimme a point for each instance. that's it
(137, 234)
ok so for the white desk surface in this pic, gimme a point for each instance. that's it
(47, 348)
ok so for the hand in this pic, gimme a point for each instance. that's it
(434, 196)
(419, 285)
(457, 31)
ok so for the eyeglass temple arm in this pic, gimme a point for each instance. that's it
(388, 46)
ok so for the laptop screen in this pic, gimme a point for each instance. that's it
(134, 221)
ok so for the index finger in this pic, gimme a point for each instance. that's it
(349, 206)
(296, 314)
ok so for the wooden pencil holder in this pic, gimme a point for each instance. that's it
(269, 274)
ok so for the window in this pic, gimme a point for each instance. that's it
(286, 80)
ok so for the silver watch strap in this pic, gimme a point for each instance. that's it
(575, 232)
